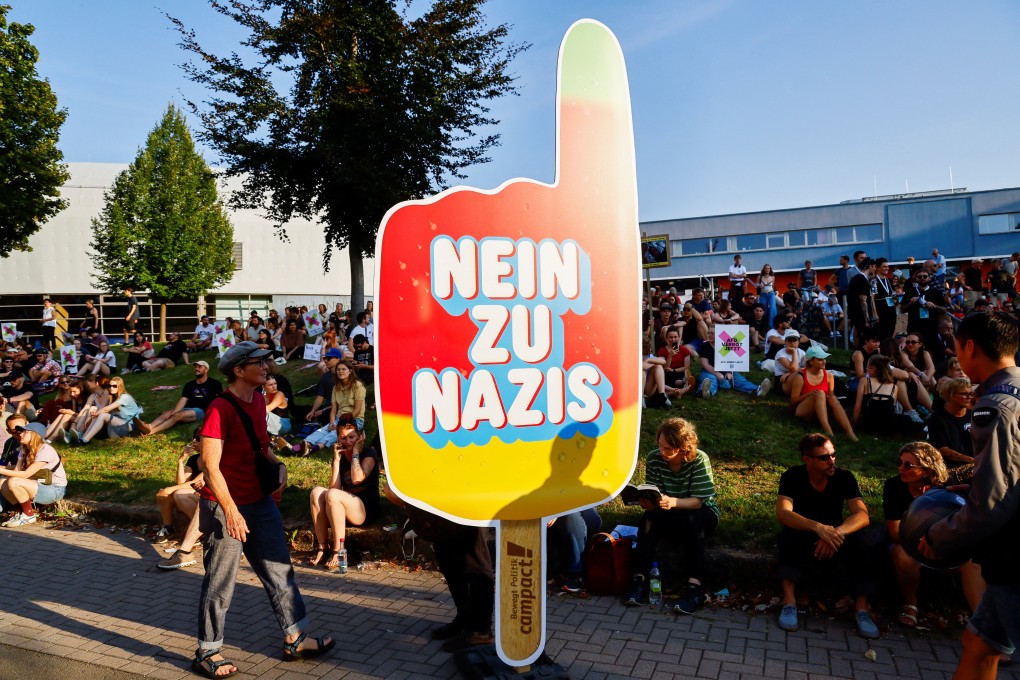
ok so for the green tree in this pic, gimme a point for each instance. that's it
(30, 121)
(348, 107)
(162, 227)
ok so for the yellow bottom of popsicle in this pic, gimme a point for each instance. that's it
(521, 480)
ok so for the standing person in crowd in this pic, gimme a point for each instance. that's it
(861, 302)
(807, 281)
(137, 353)
(131, 315)
(815, 532)
(843, 275)
(939, 273)
(738, 274)
(196, 396)
(49, 324)
(352, 496)
(812, 395)
(686, 512)
(237, 516)
(989, 523)
(17, 486)
(203, 338)
(91, 319)
(885, 299)
(766, 285)
(172, 354)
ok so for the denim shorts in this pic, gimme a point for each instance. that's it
(121, 430)
(199, 413)
(48, 494)
(997, 618)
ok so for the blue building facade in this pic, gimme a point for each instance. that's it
(962, 224)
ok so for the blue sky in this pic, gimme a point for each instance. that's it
(739, 105)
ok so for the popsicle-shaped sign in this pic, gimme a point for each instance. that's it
(508, 338)
(313, 323)
(9, 331)
(68, 357)
(224, 341)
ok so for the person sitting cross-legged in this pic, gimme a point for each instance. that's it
(182, 496)
(687, 511)
(815, 532)
(712, 380)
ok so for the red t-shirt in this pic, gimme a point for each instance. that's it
(678, 359)
(237, 462)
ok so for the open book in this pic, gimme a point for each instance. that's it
(632, 494)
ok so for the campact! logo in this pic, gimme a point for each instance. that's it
(522, 586)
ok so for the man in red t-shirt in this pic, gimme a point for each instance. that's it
(237, 516)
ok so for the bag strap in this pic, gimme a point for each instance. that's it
(249, 427)
(608, 538)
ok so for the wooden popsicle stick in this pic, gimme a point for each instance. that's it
(521, 592)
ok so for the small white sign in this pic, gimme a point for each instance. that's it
(314, 323)
(313, 352)
(732, 348)
(224, 341)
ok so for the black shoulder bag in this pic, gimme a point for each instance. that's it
(268, 473)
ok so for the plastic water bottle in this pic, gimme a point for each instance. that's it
(654, 585)
(342, 558)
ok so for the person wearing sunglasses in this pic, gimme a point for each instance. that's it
(920, 468)
(989, 522)
(21, 487)
(949, 428)
(815, 533)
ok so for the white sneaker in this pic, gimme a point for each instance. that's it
(764, 388)
(20, 520)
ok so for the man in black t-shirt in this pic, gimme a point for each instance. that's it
(20, 397)
(130, 313)
(861, 301)
(191, 407)
(810, 508)
(364, 360)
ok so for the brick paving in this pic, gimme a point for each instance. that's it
(97, 597)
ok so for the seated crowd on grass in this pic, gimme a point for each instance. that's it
(902, 382)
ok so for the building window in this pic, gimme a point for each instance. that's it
(698, 246)
(773, 241)
(845, 235)
(868, 232)
(819, 237)
(750, 242)
(238, 256)
(797, 239)
(998, 224)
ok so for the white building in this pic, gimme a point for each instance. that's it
(270, 273)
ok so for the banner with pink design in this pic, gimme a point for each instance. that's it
(732, 348)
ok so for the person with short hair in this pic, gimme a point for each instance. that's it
(174, 352)
(364, 360)
(989, 522)
(204, 334)
(17, 486)
(687, 511)
(815, 532)
(19, 396)
(196, 395)
(44, 373)
(49, 324)
(237, 515)
(130, 312)
(738, 274)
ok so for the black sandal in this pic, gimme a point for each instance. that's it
(316, 559)
(292, 653)
(201, 658)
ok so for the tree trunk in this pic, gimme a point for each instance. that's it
(357, 281)
(162, 322)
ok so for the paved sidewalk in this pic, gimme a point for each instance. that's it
(97, 597)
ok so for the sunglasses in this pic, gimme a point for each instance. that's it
(911, 342)
(824, 456)
(900, 463)
(255, 362)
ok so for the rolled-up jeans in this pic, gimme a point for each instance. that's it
(740, 384)
(267, 553)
